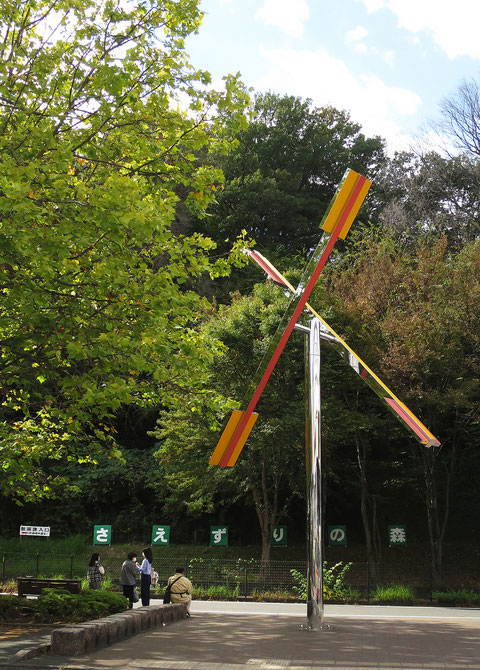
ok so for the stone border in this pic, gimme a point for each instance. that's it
(84, 637)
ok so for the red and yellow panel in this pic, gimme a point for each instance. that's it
(346, 203)
(226, 438)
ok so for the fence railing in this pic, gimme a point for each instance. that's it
(242, 578)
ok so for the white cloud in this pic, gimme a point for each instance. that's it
(453, 26)
(373, 5)
(284, 14)
(389, 57)
(328, 81)
(356, 34)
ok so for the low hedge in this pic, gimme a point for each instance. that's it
(58, 605)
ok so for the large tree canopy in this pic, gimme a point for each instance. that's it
(96, 152)
(284, 173)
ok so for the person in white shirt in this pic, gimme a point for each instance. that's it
(146, 575)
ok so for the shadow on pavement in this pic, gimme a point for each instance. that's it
(262, 640)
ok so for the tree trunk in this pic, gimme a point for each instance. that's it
(437, 523)
(267, 512)
(369, 526)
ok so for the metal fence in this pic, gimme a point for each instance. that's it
(245, 578)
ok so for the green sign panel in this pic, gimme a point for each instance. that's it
(102, 535)
(337, 536)
(219, 536)
(161, 535)
(279, 538)
(397, 536)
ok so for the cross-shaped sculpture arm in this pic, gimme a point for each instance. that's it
(336, 223)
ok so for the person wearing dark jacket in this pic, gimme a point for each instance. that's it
(128, 577)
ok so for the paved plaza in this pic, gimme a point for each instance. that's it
(235, 636)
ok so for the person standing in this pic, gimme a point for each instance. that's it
(181, 588)
(128, 577)
(146, 575)
(95, 572)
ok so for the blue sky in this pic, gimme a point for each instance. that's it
(389, 62)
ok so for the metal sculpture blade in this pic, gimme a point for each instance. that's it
(336, 223)
(399, 409)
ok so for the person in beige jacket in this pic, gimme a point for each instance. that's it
(181, 591)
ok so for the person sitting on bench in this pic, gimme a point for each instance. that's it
(181, 591)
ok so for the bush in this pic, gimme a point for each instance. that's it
(58, 604)
(13, 608)
(396, 593)
(333, 582)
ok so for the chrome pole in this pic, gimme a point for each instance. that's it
(315, 614)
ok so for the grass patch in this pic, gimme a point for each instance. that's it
(216, 593)
(395, 593)
(273, 596)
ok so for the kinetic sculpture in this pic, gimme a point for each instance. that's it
(336, 223)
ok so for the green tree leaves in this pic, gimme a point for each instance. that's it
(96, 153)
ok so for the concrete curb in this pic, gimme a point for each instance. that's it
(84, 637)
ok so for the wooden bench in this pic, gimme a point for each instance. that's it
(33, 586)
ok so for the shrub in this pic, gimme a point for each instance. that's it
(57, 604)
(459, 596)
(333, 582)
(396, 593)
(13, 607)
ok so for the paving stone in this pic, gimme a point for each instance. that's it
(145, 617)
(90, 637)
(68, 641)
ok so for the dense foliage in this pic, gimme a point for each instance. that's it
(97, 310)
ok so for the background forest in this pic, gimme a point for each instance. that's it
(131, 323)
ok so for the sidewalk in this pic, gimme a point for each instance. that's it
(244, 636)
(15, 644)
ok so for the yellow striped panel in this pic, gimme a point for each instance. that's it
(243, 438)
(225, 437)
(339, 201)
(354, 211)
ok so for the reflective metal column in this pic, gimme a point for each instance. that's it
(314, 479)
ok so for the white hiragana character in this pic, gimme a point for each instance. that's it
(102, 534)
